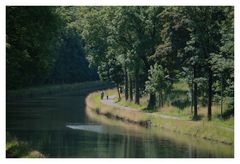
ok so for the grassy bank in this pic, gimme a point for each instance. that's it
(216, 130)
(134, 130)
(182, 109)
(20, 149)
(56, 89)
(93, 102)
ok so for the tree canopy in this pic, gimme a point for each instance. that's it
(146, 49)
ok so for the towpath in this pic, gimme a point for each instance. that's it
(110, 101)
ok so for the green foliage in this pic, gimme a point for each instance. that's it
(154, 46)
(94, 30)
(18, 149)
(71, 65)
(156, 80)
(31, 39)
(174, 34)
(44, 47)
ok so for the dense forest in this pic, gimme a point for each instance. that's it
(144, 49)
(44, 48)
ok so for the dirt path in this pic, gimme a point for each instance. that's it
(110, 102)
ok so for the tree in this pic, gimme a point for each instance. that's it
(71, 65)
(174, 34)
(94, 29)
(223, 61)
(116, 75)
(156, 81)
(138, 29)
(204, 24)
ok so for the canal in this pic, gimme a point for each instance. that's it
(61, 126)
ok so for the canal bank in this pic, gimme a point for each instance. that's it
(199, 129)
(194, 145)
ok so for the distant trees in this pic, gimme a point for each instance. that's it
(71, 64)
(41, 48)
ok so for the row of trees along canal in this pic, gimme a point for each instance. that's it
(146, 49)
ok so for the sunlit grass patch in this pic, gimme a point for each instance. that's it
(181, 85)
(131, 104)
(115, 112)
(201, 129)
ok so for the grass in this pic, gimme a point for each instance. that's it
(20, 149)
(131, 105)
(215, 130)
(181, 85)
(200, 129)
(93, 102)
(179, 89)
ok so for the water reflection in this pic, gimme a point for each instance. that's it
(90, 128)
(170, 144)
(45, 124)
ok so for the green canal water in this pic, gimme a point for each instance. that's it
(60, 126)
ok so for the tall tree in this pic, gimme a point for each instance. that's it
(223, 61)
(140, 27)
(94, 30)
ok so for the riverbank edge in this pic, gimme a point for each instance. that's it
(84, 87)
(199, 129)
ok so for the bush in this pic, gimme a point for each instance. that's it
(180, 103)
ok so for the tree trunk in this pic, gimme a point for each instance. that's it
(152, 100)
(126, 83)
(130, 89)
(195, 115)
(192, 98)
(137, 94)
(221, 95)
(159, 99)
(210, 93)
(119, 96)
(161, 93)
(152, 96)
(108, 73)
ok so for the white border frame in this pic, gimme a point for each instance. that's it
(5, 3)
